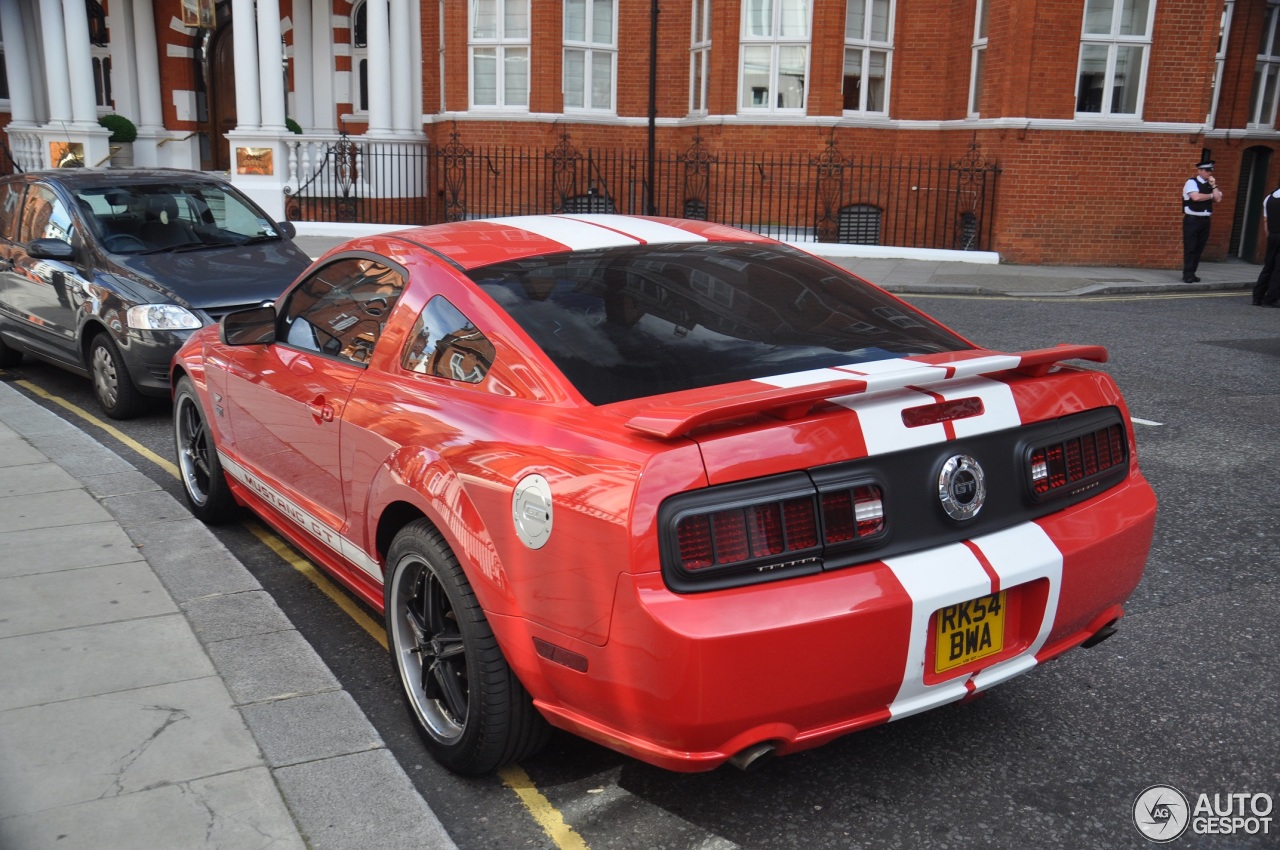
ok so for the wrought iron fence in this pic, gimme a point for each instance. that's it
(827, 197)
(7, 163)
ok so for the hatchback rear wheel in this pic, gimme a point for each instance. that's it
(112, 385)
(9, 356)
(470, 709)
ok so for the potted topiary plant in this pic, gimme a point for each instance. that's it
(293, 126)
(123, 133)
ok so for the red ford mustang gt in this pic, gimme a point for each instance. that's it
(677, 488)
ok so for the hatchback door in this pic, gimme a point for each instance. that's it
(42, 296)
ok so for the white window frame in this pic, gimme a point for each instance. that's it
(977, 68)
(1224, 36)
(699, 57)
(506, 50)
(1113, 42)
(1266, 74)
(440, 55)
(775, 42)
(359, 61)
(593, 47)
(863, 46)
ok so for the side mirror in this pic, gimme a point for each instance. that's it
(287, 229)
(255, 326)
(51, 249)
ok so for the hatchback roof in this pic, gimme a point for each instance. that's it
(74, 178)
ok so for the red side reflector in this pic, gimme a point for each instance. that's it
(560, 655)
(943, 411)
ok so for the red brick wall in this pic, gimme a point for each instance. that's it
(1067, 194)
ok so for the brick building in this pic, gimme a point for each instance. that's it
(1093, 112)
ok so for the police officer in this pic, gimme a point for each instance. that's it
(1266, 292)
(1199, 194)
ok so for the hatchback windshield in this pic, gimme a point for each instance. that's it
(133, 219)
(631, 322)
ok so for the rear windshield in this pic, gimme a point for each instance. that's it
(625, 323)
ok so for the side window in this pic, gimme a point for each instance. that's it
(341, 309)
(10, 199)
(445, 344)
(44, 216)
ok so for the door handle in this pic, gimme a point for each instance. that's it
(321, 410)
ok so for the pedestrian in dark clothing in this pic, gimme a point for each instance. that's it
(1266, 292)
(1199, 194)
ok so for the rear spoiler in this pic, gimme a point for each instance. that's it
(794, 402)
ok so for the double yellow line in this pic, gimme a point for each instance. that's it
(540, 808)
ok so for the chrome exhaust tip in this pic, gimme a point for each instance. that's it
(751, 755)
(1102, 634)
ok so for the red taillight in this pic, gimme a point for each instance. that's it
(802, 525)
(850, 514)
(1060, 464)
(694, 534)
(777, 529)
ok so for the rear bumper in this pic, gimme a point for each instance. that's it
(687, 681)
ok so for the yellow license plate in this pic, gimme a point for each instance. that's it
(968, 631)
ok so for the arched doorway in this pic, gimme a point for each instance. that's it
(221, 80)
(1246, 222)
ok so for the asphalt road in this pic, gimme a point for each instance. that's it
(1187, 694)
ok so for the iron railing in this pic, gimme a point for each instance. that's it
(830, 196)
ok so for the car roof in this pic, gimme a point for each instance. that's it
(481, 242)
(76, 178)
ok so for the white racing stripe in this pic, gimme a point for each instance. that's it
(572, 232)
(951, 574)
(889, 392)
(935, 578)
(1019, 555)
(653, 232)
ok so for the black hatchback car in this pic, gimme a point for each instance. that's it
(106, 273)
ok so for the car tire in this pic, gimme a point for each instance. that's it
(112, 386)
(203, 482)
(470, 709)
(9, 357)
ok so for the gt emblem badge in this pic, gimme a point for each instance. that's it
(962, 487)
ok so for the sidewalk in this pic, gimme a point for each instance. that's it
(962, 273)
(151, 693)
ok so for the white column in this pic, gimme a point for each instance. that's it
(323, 112)
(84, 106)
(271, 61)
(379, 67)
(402, 58)
(124, 67)
(52, 34)
(302, 65)
(22, 105)
(248, 102)
(415, 62)
(150, 112)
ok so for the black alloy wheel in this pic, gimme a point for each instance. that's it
(203, 482)
(472, 713)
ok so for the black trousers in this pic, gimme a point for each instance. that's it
(1267, 289)
(1195, 233)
